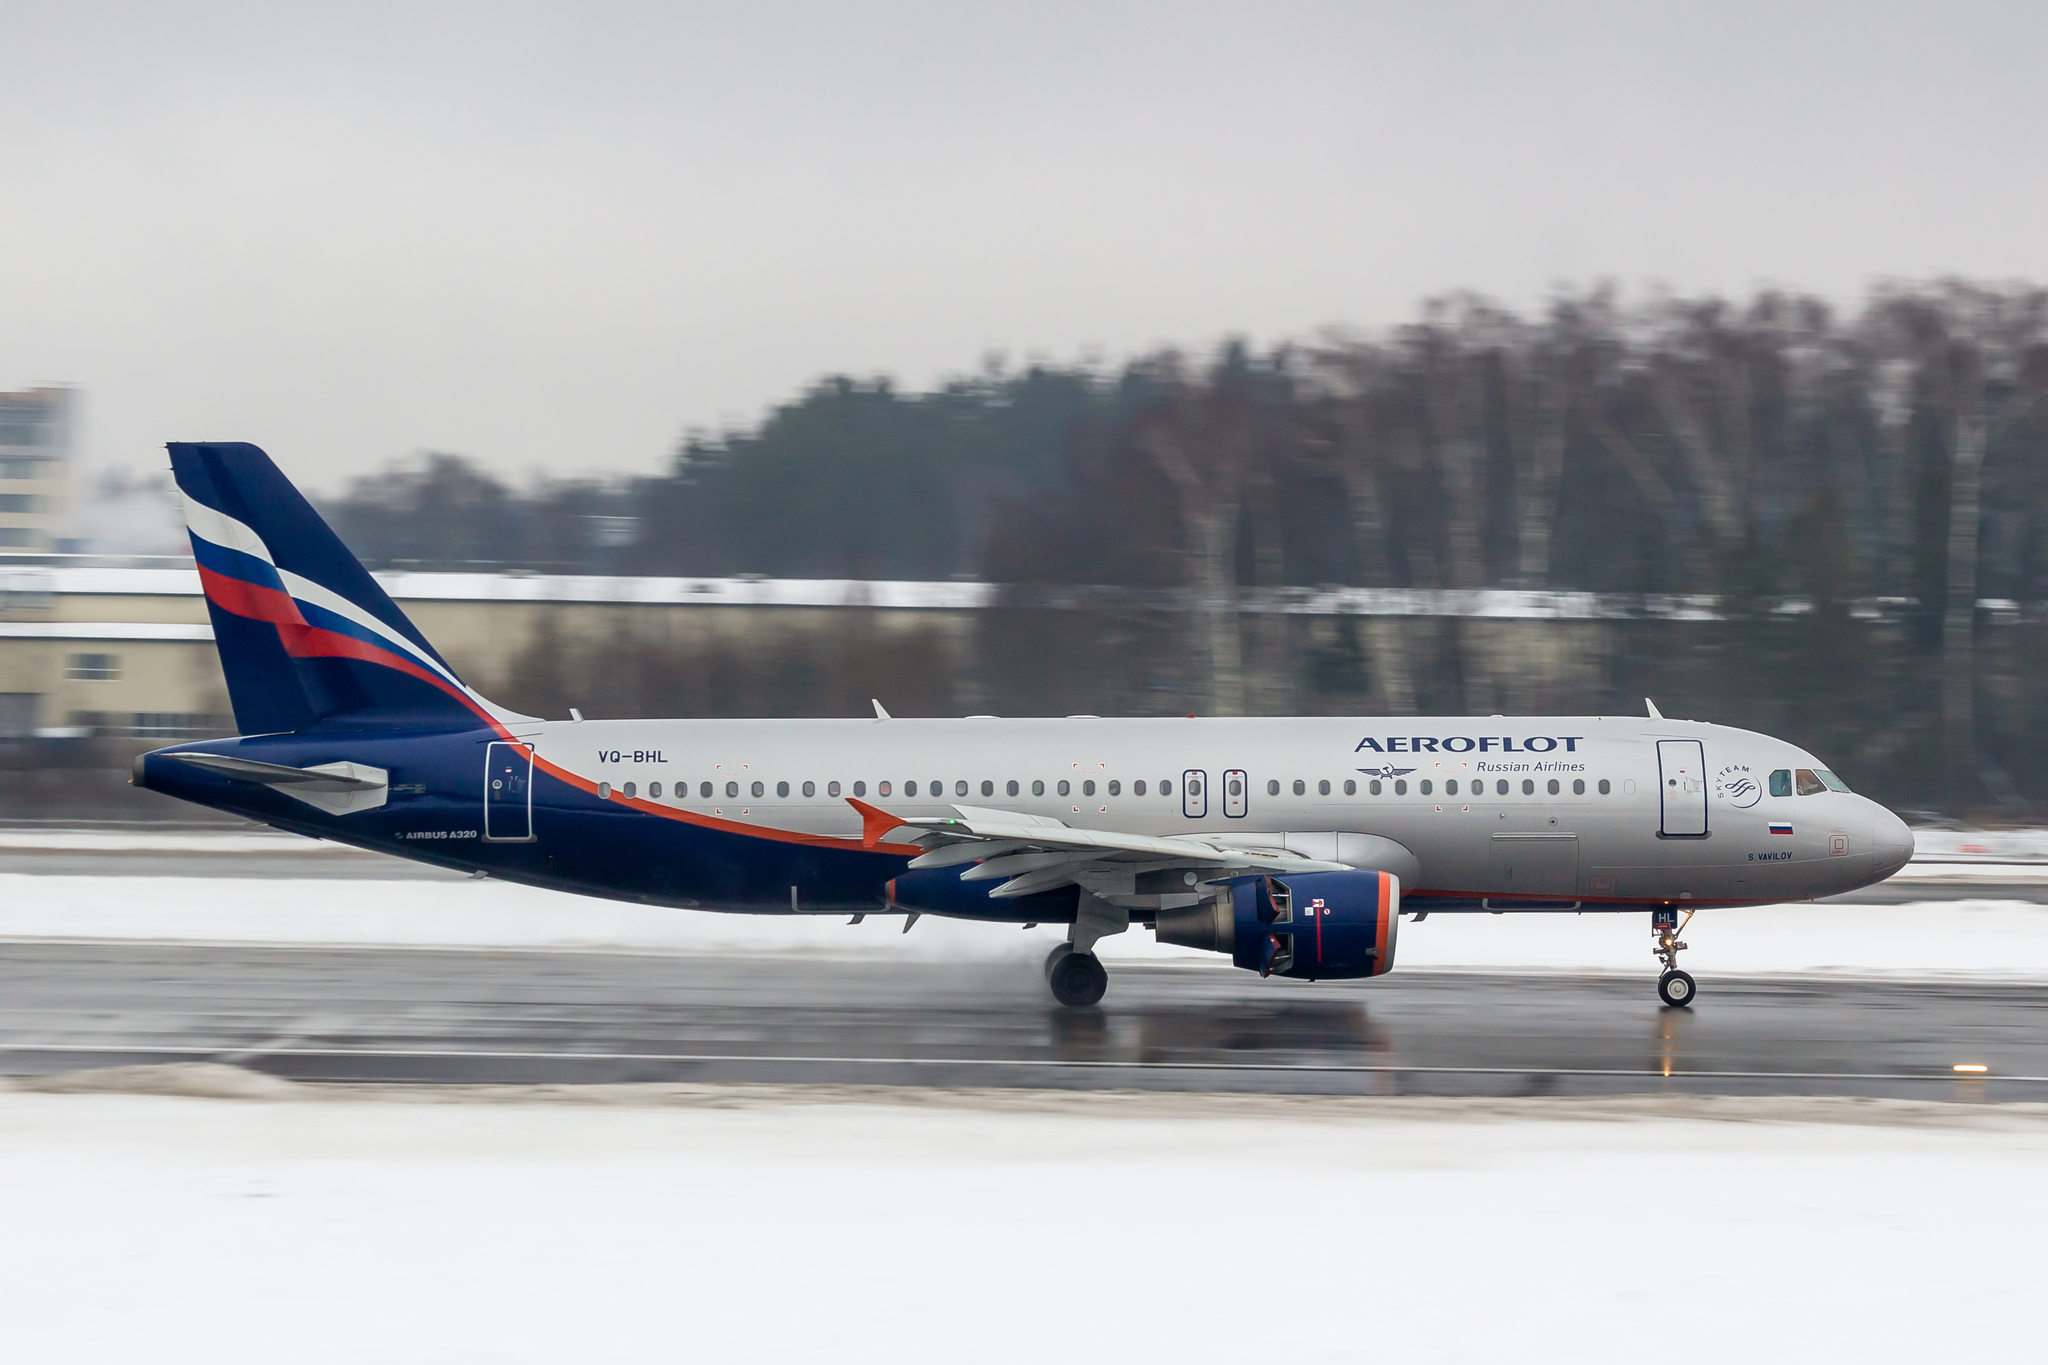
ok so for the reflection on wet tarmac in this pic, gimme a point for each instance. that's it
(351, 1013)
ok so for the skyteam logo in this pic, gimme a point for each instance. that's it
(1736, 785)
(1386, 770)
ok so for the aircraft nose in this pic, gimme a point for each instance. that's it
(1891, 843)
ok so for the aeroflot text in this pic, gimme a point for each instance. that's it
(1465, 744)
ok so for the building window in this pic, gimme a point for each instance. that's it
(1604, 788)
(93, 667)
(1038, 788)
(782, 789)
(1578, 786)
(20, 502)
(988, 788)
(1300, 787)
(17, 538)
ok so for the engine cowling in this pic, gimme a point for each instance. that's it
(1313, 925)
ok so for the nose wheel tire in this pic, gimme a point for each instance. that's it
(1077, 979)
(1676, 988)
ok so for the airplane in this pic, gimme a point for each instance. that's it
(1294, 845)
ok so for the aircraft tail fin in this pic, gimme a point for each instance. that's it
(304, 632)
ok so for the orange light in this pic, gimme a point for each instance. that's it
(1971, 1067)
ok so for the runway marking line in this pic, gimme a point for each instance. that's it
(492, 1054)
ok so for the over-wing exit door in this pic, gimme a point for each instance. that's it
(508, 791)
(1682, 782)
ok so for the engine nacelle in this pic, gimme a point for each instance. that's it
(1313, 925)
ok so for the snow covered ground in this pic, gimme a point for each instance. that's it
(1930, 939)
(728, 1225)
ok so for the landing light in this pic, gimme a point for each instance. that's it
(1971, 1067)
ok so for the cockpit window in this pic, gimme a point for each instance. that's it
(1809, 785)
(1834, 784)
(1781, 782)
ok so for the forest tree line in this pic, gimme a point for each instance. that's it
(1847, 486)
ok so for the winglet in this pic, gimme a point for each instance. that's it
(873, 823)
(1655, 714)
(880, 714)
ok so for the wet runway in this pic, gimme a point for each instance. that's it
(575, 1017)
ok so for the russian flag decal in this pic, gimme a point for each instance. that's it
(1777, 828)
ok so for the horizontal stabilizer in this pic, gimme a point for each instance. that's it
(337, 788)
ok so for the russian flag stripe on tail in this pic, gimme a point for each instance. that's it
(305, 633)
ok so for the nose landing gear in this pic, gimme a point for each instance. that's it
(1674, 987)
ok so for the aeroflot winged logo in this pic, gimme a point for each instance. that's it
(1466, 744)
(1386, 770)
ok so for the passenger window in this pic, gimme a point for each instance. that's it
(629, 790)
(1401, 787)
(1553, 786)
(959, 789)
(782, 789)
(882, 788)
(1375, 787)
(1138, 787)
(1010, 788)
(1065, 786)
(909, 789)
(759, 789)
(1088, 787)
(1116, 788)
(1528, 786)
(1425, 787)
(1236, 787)
(860, 789)
(704, 790)
(1350, 786)
(1300, 787)
(1604, 788)
(1166, 789)
(988, 788)
(1273, 786)
(831, 789)
(732, 789)
(654, 790)
(1500, 788)
(1578, 786)
(1451, 787)
(604, 791)
(1038, 788)
(810, 789)
(1781, 782)
(1323, 787)
(1806, 783)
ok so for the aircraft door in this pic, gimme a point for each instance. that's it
(1682, 787)
(1194, 794)
(1236, 793)
(508, 792)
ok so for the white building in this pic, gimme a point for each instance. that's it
(35, 470)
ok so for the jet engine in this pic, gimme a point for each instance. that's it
(1313, 925)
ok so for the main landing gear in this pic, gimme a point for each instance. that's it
(1674, 987)
(1076, 979)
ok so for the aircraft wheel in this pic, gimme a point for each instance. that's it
(1052, 959)
(1677, 988)
(1078, 979)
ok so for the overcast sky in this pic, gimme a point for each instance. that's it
(556, 237)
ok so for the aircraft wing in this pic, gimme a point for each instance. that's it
(1034, 853)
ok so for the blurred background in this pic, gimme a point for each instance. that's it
(1148, 360)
